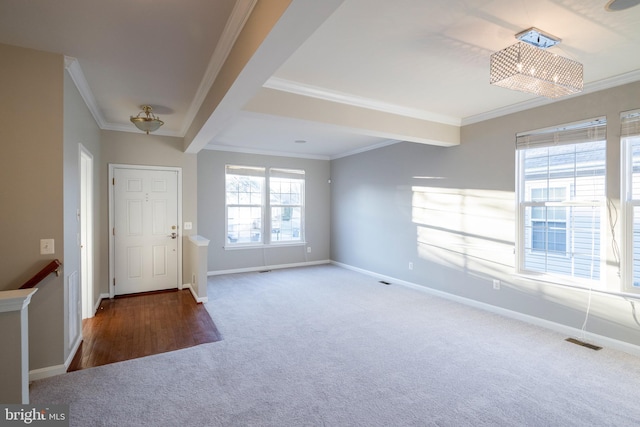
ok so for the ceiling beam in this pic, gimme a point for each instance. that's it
(356, 119)
(275, 29)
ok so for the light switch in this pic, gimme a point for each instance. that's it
(47, 246)
(188, 226)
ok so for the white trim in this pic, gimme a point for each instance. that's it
(284, 244)
(608, 83)
(122, 127)
(367, 148)
(97, 306)
(15, 299)
(87, 225)
(199, 240)
(73, 351)
(75, 72)
(49, 371)
(627, 206)
(267, 267)
(239, 15)
(193, 293)
(597, 339)
(112, 167)
(311, 91)
(233, 27)
(215, 147)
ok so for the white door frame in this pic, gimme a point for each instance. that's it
(86, 225)
(112, 167)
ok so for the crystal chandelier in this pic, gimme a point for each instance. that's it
(146, 121)
(527, 67)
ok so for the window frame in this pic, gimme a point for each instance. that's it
(629, 134)
(293, 175)
(266, 208)
(255, 172)
(542, 138)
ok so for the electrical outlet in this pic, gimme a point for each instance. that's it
(496, 284)
(410, 266)
(308, 249)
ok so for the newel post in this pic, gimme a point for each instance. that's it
(14, 351)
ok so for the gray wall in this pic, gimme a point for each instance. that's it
(451, 212)
(137, 148)
(79, 128)
(211, 211)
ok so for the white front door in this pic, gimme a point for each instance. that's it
(145, 230)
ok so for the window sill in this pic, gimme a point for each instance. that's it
(263, 246)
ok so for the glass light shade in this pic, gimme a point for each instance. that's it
(530, 69)
(147, 122)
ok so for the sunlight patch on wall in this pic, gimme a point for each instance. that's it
(468, 229)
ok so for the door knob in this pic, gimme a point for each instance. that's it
(173, 235)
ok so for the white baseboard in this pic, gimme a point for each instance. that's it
(592, 338)
(267, 267)
(73, 351)
(194, 295)
(97, 306)
(50, 371)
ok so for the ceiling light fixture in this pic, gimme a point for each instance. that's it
(527, 67)
(146, 121)
(617, 5)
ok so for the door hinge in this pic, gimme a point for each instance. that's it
(114, 281)
(113, 181)
(113, 231)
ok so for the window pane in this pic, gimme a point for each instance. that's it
(285, 224)
(284, 191)
(635, 162)
(244, 194)
(636, 247)
(244, 224)
(563, 240)
(244, 190)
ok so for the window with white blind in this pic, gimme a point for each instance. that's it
(561, 193)
(630, 135)
(252, 217)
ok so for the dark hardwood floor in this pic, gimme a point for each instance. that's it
(129, 327)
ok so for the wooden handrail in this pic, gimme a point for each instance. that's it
(53, 266)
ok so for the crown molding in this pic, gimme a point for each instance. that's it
(367, 148)
(607, 83)
(75, 72)
(235, 23)
(303, 89)
(121, 127)
(216, 147)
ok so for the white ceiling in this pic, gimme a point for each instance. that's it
(371, 73)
